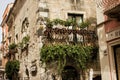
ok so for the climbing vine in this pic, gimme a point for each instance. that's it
(60, 54)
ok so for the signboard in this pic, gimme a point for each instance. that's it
(113, 34)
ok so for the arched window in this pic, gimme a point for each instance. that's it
(25, 25)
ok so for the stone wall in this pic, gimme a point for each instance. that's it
(30, 11)
(60, 9)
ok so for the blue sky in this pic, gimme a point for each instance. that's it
(3, 5)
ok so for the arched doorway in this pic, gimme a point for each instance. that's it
(69, 73)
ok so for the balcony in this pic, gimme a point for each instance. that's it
(111, 8)
(112, 25)
(70, 36)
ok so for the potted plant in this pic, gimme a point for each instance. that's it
(12, 69)
(12, 48)
(25, 42)
(49, 24)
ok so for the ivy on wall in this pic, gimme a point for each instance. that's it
(61, 53)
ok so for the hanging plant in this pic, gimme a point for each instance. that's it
(58, 21)
(60, 53)
(26, 39)
(49, 23)
(70, 22)
(84, 24)
(12, 46)
(67, 23)
(12, 69)
(24, 42)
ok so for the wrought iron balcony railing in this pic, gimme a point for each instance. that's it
(67, 36)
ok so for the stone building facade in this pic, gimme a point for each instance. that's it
(1, 67)
(25, 19)
(5, 35)
(109, 38)
(5, 41)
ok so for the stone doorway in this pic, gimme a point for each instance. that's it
(117, 60)
(97, 78)
(69, 73)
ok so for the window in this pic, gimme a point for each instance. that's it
(77, 17)
(25, 25)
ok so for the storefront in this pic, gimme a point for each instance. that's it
(113, 43)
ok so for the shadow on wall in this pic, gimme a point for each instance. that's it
(97, 78)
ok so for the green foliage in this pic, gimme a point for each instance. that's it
(58, 21)
(69, 22)
(12, 46)
(25, 39)
(84, 24)
(11, 68)
(24, 42)
(60, 54)
(87, 22)
(49, 23)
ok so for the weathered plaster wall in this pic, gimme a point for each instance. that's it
(28, 10)
(57, 9)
